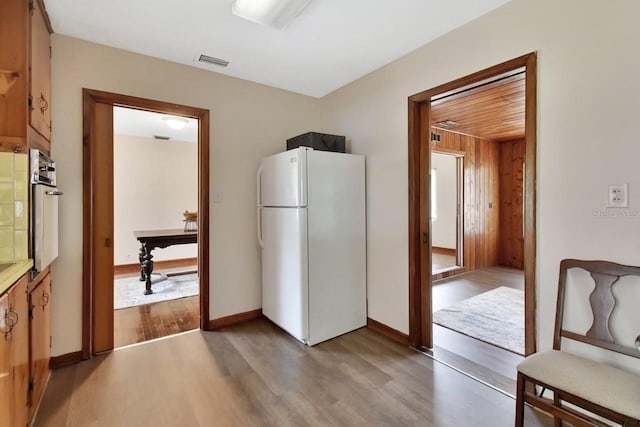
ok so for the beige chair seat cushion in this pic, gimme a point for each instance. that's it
(596, 382)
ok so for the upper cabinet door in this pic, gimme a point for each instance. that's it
(40, 91)
(282, 179)
(14, 79)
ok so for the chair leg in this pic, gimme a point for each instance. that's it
(557, 422)
(520, 401)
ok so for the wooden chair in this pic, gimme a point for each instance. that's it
(604, 390)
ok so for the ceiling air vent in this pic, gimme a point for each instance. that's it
(447, 123)
(211, 60)
(162, 137)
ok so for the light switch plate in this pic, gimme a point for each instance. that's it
(218, 196)
(618, 196)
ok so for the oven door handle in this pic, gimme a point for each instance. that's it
(54, 193)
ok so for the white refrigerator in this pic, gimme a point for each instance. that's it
(312, 231)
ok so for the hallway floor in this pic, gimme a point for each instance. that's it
(255, 374)
(484, 361)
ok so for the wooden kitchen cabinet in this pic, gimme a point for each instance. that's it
(40, 94)
(40, 324)
(25, 330)
(14, 355)
(25, 76)
(18, 303)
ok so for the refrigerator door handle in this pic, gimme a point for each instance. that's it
(259, 227)
(259, 185)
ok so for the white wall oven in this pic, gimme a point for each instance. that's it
(44, 210)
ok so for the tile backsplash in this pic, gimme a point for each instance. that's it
(14, 207)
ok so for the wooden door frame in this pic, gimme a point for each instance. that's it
(420, 315)
(90, 98)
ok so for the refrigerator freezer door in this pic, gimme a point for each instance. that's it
(284, 269)
(282, 179)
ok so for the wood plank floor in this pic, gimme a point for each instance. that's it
(479, 359)
(441, 262)
(150, 321)
(254, 374)
(146, 322)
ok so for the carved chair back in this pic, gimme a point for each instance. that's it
(605, 275)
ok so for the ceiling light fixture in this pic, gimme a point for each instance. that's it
(447, 123)
(176, 123)
(273, 13)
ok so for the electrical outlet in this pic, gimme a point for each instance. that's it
(618, 196)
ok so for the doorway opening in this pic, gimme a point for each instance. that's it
(490, 117)
(167, 185)
(446, 192)
(133, 210)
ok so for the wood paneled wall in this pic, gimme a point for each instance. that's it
(481, 207)
(511, 251)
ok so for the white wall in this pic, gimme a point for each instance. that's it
(248, 121)
(588, 104)
(443, 227)
(154, 182)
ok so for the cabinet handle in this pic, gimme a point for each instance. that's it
(44, 105)
(11, 322)
(45, 299)
(13, 315)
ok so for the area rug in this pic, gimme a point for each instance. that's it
(495, 317)
(129, 292)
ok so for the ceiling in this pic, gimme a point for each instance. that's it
(493, 109)
(128, 121)
(330, 44)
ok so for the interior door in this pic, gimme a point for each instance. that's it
(101, 158)
(285, 269)
(446, 196)
(282, 179)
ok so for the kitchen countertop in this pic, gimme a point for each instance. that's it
(11, 272)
